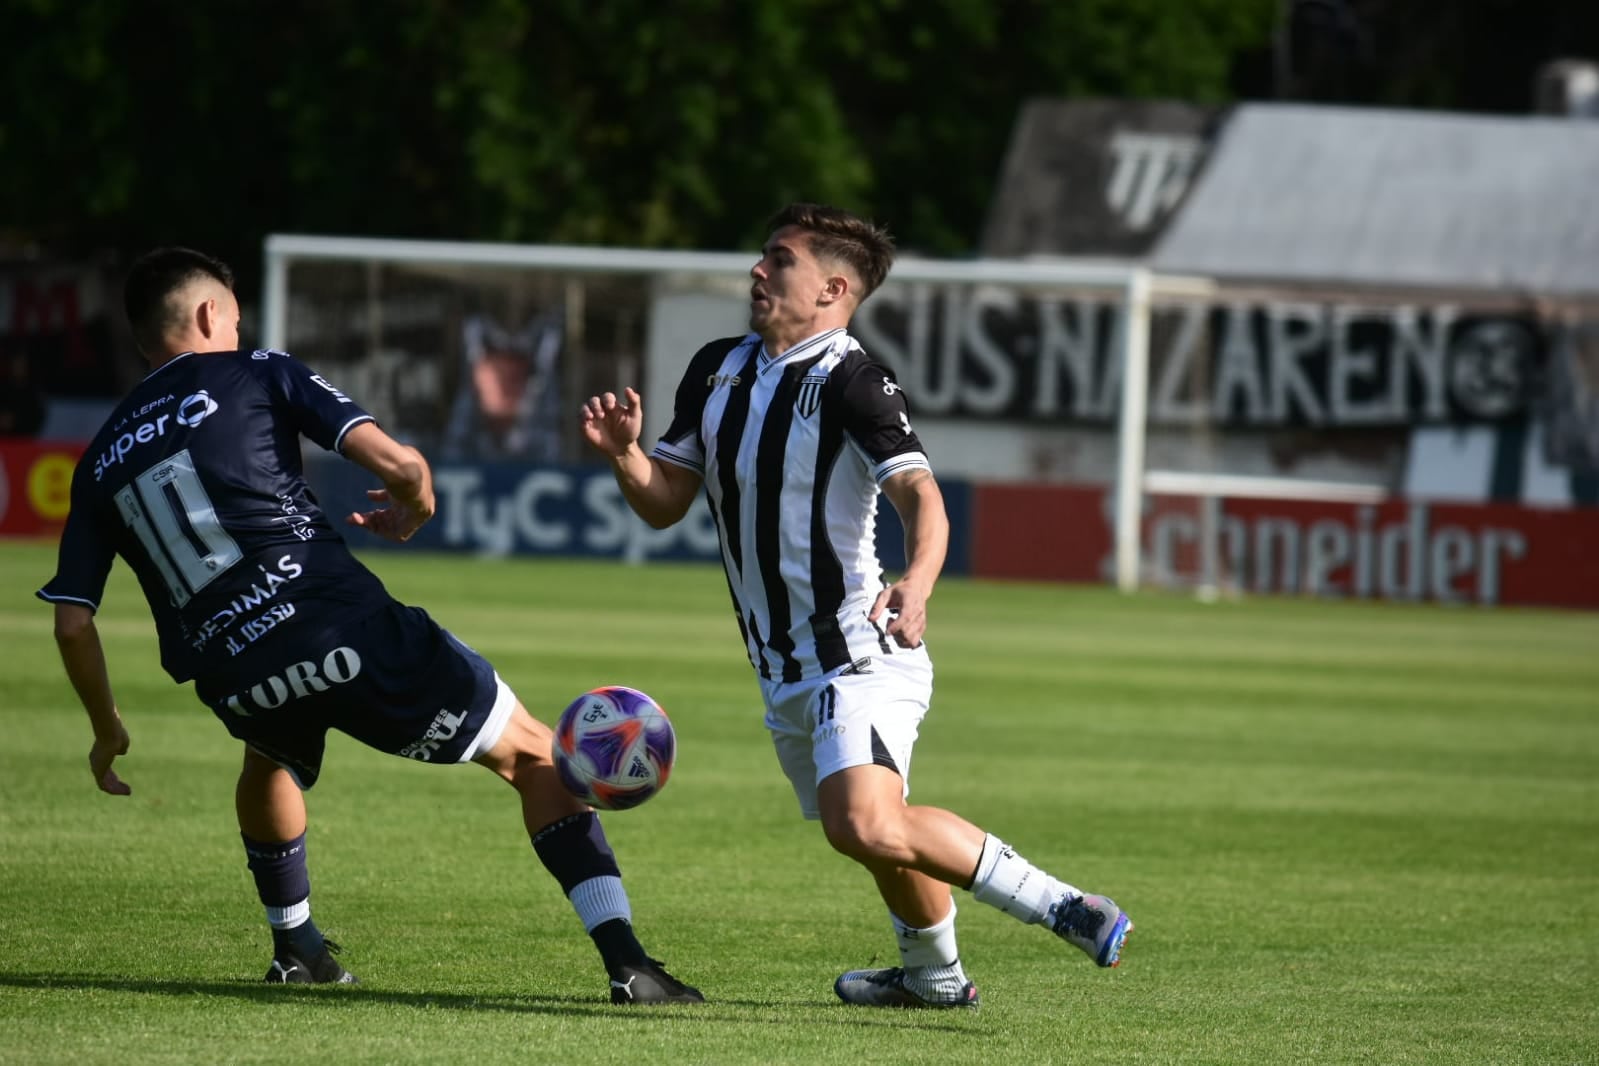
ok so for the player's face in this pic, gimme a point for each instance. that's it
(789, 285)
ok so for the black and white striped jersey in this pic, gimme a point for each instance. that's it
(792, 451)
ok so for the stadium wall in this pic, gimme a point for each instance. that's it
(1408, 550)
(1401, 549)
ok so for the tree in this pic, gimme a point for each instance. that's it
(621, 122)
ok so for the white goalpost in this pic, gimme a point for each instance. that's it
(386, 286)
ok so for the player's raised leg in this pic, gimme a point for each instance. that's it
(570, 842)
(1006, 881)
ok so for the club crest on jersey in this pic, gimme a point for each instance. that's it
(810, 395)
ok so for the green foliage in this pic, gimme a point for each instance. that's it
(622, 122)
(1348, 833)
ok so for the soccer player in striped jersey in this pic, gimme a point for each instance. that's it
(196, 482)
(792, 431)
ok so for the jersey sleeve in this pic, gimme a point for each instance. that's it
(320, 411)
(680, 445)
(877, 418)
(86, 552)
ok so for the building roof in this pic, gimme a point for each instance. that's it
(1087, 177)
(1361, 196)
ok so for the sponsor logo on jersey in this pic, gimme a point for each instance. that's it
(323, 382)
(146, 409)
(297, 681)
(253, 629)
(446, 724)
(297, 521)
(117, 450)
(716, 381)
(196, 409)
(263, 589)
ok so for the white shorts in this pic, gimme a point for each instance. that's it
(849, 718)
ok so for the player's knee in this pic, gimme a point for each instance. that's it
(865, 836)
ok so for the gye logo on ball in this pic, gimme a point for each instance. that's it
(194, 409)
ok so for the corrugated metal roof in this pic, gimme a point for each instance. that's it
(1382, 197)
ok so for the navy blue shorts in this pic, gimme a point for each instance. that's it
(393, 680)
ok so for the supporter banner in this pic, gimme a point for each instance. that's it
(999, 354)
(1400, 550)
(35, 487)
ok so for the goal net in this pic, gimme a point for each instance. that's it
(483, 352)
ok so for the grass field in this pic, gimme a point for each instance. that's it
(1348, 834)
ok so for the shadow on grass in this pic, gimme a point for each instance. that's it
(572, 1006)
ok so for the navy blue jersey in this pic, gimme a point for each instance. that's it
(196, 481)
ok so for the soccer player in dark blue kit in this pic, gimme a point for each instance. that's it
(196, 482)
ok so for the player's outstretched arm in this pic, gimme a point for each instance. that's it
(407, 483)
(916, 496)
(660, 493)
(84, 659)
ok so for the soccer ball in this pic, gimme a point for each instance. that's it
(614, 747)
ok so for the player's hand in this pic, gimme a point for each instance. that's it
(905, 602)
(396, 522)
(104, 752)
(612, 425)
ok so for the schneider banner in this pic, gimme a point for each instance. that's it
(1409, 550)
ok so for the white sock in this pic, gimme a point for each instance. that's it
(599, 899)
(290, 917)
(931, 961)
(1012, 884)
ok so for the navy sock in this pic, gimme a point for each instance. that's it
(284, 885)
(575, 850)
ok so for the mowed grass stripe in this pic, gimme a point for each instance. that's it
(1348, 833)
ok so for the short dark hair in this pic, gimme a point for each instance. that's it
(837, 234)
(152, 281)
